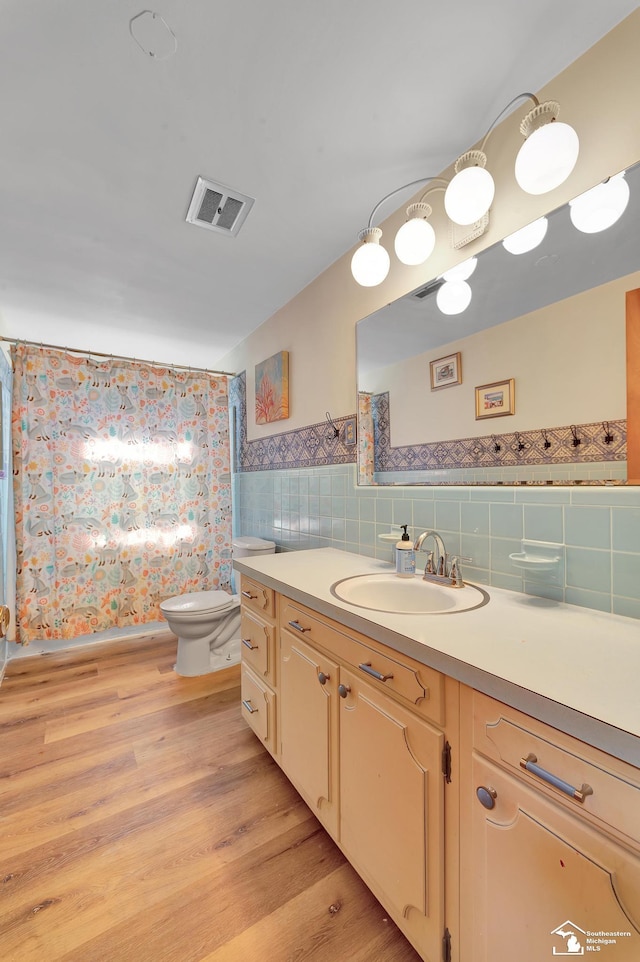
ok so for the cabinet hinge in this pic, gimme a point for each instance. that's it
(446, 762)
(446, 946)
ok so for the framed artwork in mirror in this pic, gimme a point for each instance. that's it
(446, 371)
(495, 400)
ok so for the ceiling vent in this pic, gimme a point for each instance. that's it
(428, 289)
(218, 208)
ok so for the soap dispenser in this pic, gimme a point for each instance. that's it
(405, 555)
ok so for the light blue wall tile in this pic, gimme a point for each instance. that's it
(588, 599)
(626, 529)
(626, 574)
(492, 494)
(543, 523)
(474, 518)
(477, 548)
(551, 592)
(588, 526)
(367, 509)
(351, 508)
(589, 568)
(448, 515)
(510, 582)
(367, 533)
(423, 515)
(629, 607)
(542, 495)
(619, 495)
(286, 506)
(506, 521)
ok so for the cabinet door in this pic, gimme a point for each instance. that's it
(540, 881)
(392, 808)
(308, 726)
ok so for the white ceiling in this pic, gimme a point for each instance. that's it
(315, 109)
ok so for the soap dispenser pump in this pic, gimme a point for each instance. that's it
(405, 555)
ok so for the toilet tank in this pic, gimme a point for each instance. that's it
(247, 546)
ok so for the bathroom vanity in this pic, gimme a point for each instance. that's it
(479, 769)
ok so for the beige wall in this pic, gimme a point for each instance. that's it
(567, 359)
(597, 95)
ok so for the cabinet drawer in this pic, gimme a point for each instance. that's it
(258, 645)
(606, 789)
(258, 707)
(257, 597)
(411, 682)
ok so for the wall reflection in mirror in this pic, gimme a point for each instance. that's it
(527, 383)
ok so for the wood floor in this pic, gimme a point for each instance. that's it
(142, 821)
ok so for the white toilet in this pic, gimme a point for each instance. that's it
(207, 623)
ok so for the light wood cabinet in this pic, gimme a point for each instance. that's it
(550, 842)
(392, 807)
(259, 669)
(486, 834)
(309, 726)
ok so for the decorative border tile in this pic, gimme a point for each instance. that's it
(517, 448)
(310, 446)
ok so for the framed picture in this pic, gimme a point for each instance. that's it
(446, 371)
(272, 388)
(496, 399)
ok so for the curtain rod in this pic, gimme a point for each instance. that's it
(117, 357)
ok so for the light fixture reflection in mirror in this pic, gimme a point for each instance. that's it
(527, 238)
(566, 263)
(599, 208)
(453, 297)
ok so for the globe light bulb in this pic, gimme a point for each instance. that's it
(547, 157)
(416, 238)
(453, 297)
(463, 271)
(370, 263)
(527, 238)
(599, 208)
(469, 195)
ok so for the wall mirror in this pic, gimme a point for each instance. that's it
(548, 325)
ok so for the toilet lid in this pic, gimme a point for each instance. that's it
(201, 601)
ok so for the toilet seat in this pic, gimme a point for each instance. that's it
(200, 602)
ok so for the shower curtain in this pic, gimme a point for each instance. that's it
(122, 490)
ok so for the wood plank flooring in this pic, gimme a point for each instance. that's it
(142, 821)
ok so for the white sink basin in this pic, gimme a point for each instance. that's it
(388, 592)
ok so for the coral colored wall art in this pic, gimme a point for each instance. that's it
(272, 388)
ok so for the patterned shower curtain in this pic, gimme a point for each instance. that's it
(122, 490)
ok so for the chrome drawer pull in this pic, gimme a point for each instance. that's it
(579, 794)
(298, 626)
(247, 643)
(247, 594)
(247, 704)
(371, 671)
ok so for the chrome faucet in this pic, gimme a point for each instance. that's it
(437, 567)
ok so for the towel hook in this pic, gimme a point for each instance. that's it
(576, 440)
(608, 436)
(333, 426)
(547, 442)
(520, 442)
(496, 446)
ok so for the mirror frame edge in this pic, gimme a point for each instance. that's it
(633, 385)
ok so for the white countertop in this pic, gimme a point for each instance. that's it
(574, 668)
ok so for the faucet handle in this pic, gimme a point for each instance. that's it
(428, 568)
(454, 571)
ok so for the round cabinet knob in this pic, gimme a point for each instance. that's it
(486, 796)
(322, 678)
(343, 690)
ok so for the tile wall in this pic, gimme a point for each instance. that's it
(599, 527)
